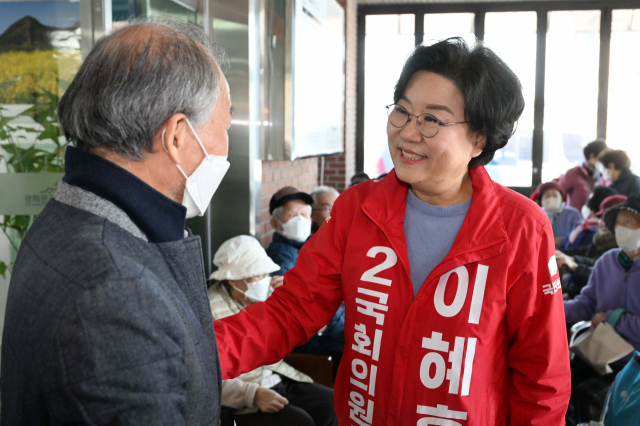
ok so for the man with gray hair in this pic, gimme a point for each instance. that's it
(323, 199)
(108, 320)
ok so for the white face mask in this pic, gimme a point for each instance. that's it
(604, 172)
(552, 205)
(586, 212)
(257, 291)
(628, 239)
(298, 228)
(203, 182)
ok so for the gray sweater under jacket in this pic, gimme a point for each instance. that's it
(105, 328)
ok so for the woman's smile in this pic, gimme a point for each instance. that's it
(410, 157)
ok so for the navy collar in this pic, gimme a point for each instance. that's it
(158, 217)
(280, 239)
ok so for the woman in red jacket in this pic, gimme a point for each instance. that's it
(454, 311)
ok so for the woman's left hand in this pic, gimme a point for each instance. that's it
(597, 319)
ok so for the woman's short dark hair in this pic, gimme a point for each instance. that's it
(618, 157)
(492, 92)
(595, 148)
(599, 194)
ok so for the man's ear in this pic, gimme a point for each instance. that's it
(274, 224)
(173, 137)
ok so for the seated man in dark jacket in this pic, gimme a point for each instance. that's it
(291, 219)
(108, 320)
(290, 212)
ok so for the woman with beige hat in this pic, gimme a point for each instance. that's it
(274, 394)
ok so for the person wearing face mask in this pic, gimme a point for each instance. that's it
(612, 290)
(278, 393)
(107, 317)
(291, 218)
(564, 219)
(615, 166)
(449, 281)
(579, 262)
(582, 235)
(290, 211)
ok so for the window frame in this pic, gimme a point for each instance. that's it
(481, 9)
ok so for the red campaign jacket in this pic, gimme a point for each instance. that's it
(482, 343)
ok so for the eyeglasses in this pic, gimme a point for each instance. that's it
(427, 124)
(326, 209)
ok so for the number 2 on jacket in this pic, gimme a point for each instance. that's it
(389, 262)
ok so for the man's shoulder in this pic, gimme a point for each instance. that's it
(574, 172)
(80, 246)
(95, 267)
(279, 246)
(103, 312)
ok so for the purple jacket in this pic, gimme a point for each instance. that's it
(610, 288)
(565, 221)
(578, 184)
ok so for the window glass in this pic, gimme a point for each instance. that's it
(183, 10)
(440, 26)
(571, 89)
(390, 24)
(624, 84)
(39, 56)
(512, 36)
(389, 40)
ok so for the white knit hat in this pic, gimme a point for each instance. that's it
(242, 257)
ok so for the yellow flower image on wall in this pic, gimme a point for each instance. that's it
(25, 76)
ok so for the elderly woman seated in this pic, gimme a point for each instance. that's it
(563, 218)
(614, 287)
(276, 394)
